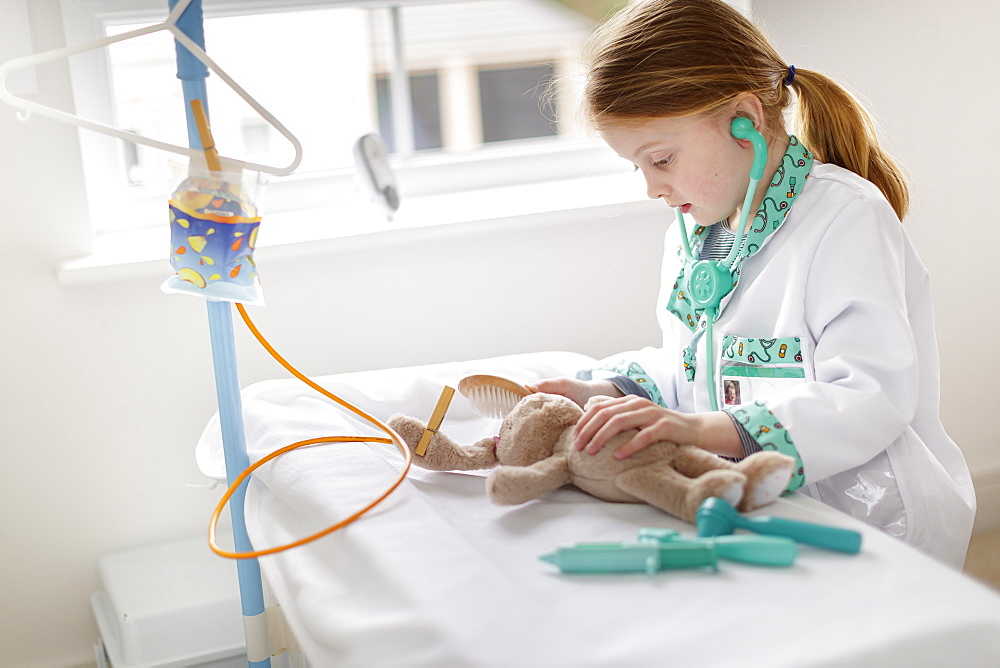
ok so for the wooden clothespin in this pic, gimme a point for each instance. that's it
(205, 135)
(436, 418)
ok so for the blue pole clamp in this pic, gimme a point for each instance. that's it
(191, 71)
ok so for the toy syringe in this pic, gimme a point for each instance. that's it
(665, 549)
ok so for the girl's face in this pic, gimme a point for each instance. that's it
(693, 163)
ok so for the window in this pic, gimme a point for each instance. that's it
(457, 103)
(425, 104)
(507, 111)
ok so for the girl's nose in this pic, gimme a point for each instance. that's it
(656, 189)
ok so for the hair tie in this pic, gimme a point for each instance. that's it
(791, 75)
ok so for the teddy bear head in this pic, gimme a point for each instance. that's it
(529, 433)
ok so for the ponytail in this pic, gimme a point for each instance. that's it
(836, 128)
(672, 58)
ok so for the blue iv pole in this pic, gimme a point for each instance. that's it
(193, 73)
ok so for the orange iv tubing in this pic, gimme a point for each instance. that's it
(392, 438)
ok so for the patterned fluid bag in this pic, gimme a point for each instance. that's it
(214, 221)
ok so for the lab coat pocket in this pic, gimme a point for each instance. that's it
(752, 368)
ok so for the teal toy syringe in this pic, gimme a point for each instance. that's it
(665, 549)
(639, 557)
(756, 550)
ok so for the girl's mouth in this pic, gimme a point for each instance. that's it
(684, 208)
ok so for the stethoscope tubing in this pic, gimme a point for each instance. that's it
(731, 263)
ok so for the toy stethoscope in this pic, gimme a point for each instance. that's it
(709, 281)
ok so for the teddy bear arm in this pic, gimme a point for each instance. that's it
(452, 457)
(442, 453)
(513, 485)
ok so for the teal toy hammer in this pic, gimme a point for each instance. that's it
(715, 517)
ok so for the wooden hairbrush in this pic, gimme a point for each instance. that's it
(492, 396)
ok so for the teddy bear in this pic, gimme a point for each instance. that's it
(536, 455)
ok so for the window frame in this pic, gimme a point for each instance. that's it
(491, 165)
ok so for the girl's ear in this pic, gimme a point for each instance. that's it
(748, 104)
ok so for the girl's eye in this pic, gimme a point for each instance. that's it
(663, 162)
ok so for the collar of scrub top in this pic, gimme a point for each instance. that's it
(785, 186)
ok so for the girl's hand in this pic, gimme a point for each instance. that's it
(578, 391)
(711, 431)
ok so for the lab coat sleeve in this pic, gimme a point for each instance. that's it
(864, 391)
(636, 366)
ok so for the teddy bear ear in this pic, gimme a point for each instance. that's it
(557, 409)
(531, 431)
(569, 412)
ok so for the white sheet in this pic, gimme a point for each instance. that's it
(438, 576)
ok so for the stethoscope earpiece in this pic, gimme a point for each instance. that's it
(742, 128)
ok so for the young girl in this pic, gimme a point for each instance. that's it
(827, 336)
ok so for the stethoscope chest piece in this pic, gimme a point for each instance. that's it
(708, 283)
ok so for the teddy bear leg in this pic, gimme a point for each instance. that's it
(767, 475)
(692, 461)
(443, 454)
(513, 485)
(670, 490)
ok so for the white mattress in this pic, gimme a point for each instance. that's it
(438, 576)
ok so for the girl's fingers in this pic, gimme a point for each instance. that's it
(608, 419)
(578, 391)
(592, 420)
(550, 386)
(640, 419)
(614, 425)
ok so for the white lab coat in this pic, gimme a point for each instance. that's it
(841, 275)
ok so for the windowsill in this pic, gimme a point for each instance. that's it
(360, 224)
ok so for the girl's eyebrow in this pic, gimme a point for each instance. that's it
(645, 147)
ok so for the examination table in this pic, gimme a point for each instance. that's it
(439, 576)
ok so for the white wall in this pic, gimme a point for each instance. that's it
(105, 388)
